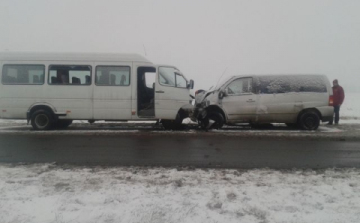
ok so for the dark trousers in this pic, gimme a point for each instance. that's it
(336, 113)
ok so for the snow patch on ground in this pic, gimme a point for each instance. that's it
(327, 129)
(351, 107)
(12, 121)
(47, 193)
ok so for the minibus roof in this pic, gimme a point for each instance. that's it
(49, 56)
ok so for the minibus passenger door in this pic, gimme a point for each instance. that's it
(171, 92)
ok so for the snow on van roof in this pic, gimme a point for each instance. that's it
(274, 75)
(48, 56)
(296, 81)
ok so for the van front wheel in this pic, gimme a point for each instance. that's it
(42, 120)
(213, 120)
(309, 121)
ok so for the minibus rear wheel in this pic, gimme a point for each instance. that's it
(42, 120)
(310, 120)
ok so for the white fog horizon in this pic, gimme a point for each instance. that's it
(203, 39)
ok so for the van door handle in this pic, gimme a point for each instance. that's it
(250, 100)
(159, 91)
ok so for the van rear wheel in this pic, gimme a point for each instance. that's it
(309, 121)
(42, 120)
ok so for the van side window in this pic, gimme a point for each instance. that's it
(69, 75)
(23, 74)
(112, 76)
(284, 84)
(240, 86)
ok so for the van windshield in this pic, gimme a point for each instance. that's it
(220, 84)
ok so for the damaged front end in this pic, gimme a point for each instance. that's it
(203, 100)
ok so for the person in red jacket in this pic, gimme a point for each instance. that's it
(338, 98)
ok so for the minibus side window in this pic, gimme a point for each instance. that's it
(180, 81)
(69, 75)
(112, 76)
(23, 74)
(167, 76)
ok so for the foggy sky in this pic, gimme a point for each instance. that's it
(201, 38)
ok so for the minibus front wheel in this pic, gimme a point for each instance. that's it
(63, 123)
(42, 120)
(173, 124)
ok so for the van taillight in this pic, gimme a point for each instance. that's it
(331, 100)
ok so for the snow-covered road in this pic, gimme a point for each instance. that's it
(48, 193)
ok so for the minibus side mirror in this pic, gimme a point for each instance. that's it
(190, 85)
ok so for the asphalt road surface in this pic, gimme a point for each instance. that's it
(178, 149)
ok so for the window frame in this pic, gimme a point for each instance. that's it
(248, 93)
(96, 67)
(83, 85)
(2, 73)
(186, 82)
(175, 73)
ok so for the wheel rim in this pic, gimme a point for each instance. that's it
(41, 120)
(310, 122)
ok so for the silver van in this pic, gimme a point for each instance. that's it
(297, 100)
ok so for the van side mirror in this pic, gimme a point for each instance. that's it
(222, 94)
(190, 85)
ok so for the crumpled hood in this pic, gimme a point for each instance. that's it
(201, 96)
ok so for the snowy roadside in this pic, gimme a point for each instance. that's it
(350, 110)
(48, 193)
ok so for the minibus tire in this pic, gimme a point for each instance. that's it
(309, 121)
(171, 125)
(42, 120)
(167, 124)
(63, 123)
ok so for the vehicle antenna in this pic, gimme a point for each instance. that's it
(220, 77)
(144, 49)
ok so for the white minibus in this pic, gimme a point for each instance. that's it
(52, 89)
